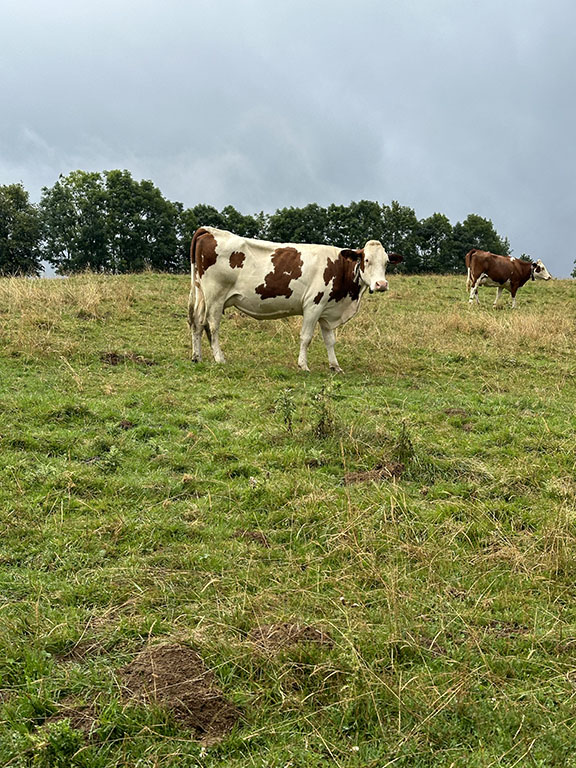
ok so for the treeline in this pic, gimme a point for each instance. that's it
(109, 222)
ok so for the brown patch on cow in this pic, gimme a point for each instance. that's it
(318, 298)
(256, 536)
(175, 678)
(287, 264)
(341, 272)
(237, 259)
(203, 251)
(117, 358)
(275, 637)
(380, 473)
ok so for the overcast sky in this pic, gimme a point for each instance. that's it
(455, 106)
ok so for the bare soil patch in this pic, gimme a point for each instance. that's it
(380, 473)
(82, 717)
(126, 424)
(117, 358)
(275, 637)
(175, 678)
(256, 536)
(84, 649)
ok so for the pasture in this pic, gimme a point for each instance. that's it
(244, 565)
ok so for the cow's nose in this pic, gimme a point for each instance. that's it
(381, 285)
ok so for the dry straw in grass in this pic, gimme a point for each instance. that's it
(34, 311)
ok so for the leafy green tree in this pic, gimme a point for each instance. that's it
(186, 225)
(74, 223)
(434, 240)
(19, 232)
(208, 216)
(299, 225)
(108, 222)
(141, 224)
(474, 232)
(359, 222)
(245, 226)
(400, 234)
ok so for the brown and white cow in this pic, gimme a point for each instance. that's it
(501, 272)
(267, 280)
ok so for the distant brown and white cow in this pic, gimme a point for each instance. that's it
(501, 272)
(268, 280)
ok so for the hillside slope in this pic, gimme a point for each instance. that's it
(249, 566)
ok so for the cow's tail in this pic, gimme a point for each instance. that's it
(196, 303)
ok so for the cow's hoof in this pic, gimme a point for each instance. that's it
(336, 369)
(304, 368)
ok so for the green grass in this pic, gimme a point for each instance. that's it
(449, 592)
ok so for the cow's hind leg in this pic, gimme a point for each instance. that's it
(196, 310)
(498, 294)
(212, 328)
(329, 337)
(474, 295)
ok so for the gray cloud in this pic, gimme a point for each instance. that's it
(453, 106)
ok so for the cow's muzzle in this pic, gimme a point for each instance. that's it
(381, 285)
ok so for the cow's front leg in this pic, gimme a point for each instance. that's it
(329, 337)
(513, 301)
(498, 294)
(306, 334)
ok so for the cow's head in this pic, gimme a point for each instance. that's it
(539, 271)
(371, 262)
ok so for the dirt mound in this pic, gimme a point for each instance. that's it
(117, 358)
(275, 637)
(175, 678)
(387, 471)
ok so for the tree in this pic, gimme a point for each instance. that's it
(108, 222)
(141, 225)
(74, 226)
(400, 234)
(434, 239)
(19, 232)
(208, 216)
(245, 226)
(474, 232)
(299, 225)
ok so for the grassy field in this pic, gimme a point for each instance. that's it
(244, 565)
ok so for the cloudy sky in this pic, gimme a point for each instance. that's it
(455, 106)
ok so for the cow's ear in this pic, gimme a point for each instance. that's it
(395, 258)
(351, 255)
